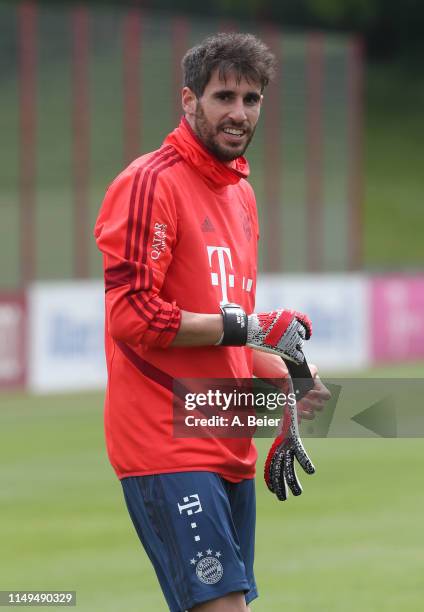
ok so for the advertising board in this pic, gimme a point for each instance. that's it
(66, 347)
(13, 334)
(397, 316)
(338, 308)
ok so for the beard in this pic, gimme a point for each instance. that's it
(208, 134)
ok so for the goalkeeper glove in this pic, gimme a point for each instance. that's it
(279, 473)
(281, 332)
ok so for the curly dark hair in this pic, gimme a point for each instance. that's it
(232, 52)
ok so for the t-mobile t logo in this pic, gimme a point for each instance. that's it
(191, 507)
(221, 278)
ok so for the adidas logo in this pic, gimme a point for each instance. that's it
(207, 225)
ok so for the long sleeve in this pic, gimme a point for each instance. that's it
(136, 232)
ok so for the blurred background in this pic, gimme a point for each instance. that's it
(336, 165)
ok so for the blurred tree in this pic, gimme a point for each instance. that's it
(390, 28)
(335, 12)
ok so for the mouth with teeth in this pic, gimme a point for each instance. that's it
(233, 135)
(232, 131)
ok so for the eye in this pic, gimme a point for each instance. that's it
(223, 96)
(251, 100)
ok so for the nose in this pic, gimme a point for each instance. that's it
(238, 111)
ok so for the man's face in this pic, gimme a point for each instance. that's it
(225, 116)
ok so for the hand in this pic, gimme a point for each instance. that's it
(315, 399)
(281, 332)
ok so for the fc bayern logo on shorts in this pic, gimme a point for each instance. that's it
(209, 570)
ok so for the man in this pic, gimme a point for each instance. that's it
(178, 231)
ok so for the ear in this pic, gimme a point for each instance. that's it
(188, 101)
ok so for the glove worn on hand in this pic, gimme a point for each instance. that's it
(281, 332)
(279, 472)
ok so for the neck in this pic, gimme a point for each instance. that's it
(190, 120)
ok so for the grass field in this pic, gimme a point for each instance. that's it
(353, 541)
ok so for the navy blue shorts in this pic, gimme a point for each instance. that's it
(199, 533)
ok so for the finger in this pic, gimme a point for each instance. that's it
(306, 406)
(313, 369)
(297, 356)
(290, 473)
(321, 394)
(304, 320)
(268, 475)
(316, 399)
(319, 387)
(310, 403)
(277, 477)
(306, 414)
(302, 456)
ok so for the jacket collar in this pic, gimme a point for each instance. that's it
(216, 173)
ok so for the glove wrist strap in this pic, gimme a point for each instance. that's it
(235, 325)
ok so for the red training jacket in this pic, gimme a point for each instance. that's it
(178, 230)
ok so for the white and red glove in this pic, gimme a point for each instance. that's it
(281, 332)
(279, 471)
